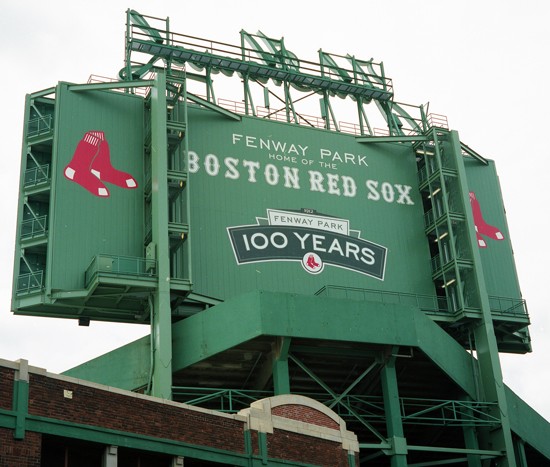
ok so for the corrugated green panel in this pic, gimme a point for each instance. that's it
(85, 224)
(497, 256)
(238, 174)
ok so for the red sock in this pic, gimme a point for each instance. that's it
(101, 167)
(480, 241)
(481, 226)
(78, 170)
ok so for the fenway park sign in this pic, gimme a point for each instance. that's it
(313, 239)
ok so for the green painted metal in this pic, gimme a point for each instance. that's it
(281, 380)
(486, 345)
(528, 424)
(335, 397)
(414, 411)
(213, 170)
(127, 367)
(352, 385)
(265, 313)
(216, 108)
(225, 196)
(471, 441)
(161, 321)
(20, 407)
(128, 439)
(394, 423)
(111, 85)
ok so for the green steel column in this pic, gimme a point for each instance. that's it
(470, 438)
(484, 333)
(20, 402)
(281, 380)
(521, 456)
(392, 410)
(161, 326)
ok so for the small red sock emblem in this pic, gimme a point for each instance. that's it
(482, 227)
(91, 166)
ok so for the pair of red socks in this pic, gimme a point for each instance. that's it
(91, 166)
(482, 228)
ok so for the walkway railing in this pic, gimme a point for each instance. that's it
(120, 265)
(35, 227)
(30, 282)
(427, 303)
(414, 411)
(36, 175)
(39, 125)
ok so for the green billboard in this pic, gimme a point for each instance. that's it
(281, 207)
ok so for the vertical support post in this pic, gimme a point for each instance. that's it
(392, 410)
(186, 162)
(262, 445)
(161, 323)
(248, 446)
(20, 402)
(127, 50)
(521, 456)
(470, 439)
(110, 456)
(281, 380)
(484, 333)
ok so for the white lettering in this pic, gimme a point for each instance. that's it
(291, 177)
(231, 164)
(404, 194)
(255, 244)
(252, 166)
(335, 246)
(349, 186)
(193, 162)
(284, 242)
(211, 165)
(251, 141)
(325, 153)
(271, 174)
(368, 256)
(302, 239)
(388, 192)
(316, 181)
(372, 186)
(332, 180)
(352, 248)
(317, 239)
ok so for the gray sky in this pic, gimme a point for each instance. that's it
(484, 64)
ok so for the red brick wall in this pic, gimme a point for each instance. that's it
(301, 448)
(19, 453)
(122, 412)
(93, 406)
(305, 414)
(6, 388)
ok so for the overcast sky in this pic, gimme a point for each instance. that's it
(484, 64)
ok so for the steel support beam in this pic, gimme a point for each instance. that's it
(391, 139)
(161, 323)
(484, 333)
(320, 382)
(392, 409)
(112, 85)
(281, 379)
